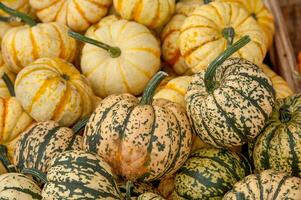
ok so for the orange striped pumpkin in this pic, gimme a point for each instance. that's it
(76, 14)
(53, 89)
(4, 92)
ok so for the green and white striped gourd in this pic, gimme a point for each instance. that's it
(278, 147)
(150, 196)
(135, 190)
(209, 173)
(42, 142)
(268, 185)
(5, 164)
(230, 103)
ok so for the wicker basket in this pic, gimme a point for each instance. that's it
(287, 40)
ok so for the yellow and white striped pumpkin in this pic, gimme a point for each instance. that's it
(76, 14)
(131, 71)
(205, 34)
(4, 27)
(53, 89)
(24, 44)
(4, 92)
(151, 13)
(20, 5)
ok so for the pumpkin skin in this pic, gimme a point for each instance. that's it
(18, 186)
(266, 185)
(4, 27)
(53, 89)
(78, 14)
(166, 187)
(210, 173)
(80, 175)
(278, 147)
(203, 31)
(150, 196)
(131, 71)
(4, 92)
(42, 142)
(24, 44)
(137, 189)
(236, 110)
(153, 14)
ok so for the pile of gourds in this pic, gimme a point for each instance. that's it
(165, 99)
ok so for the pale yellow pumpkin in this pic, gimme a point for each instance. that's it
(53, 89)
(20, 5)
(4, 27)
(208, 31)
(151, 13)
(76, 14)
(24, 44)
(128, 72)
(4, 92)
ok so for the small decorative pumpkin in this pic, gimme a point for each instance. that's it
(44, 141)
(142, 140)
(136, 189)
(76, 14)
(123, 69)
(205, 34)
(4, 27)
(53, 89)
(24, 44)
(153, 14)
(266, 185)
(150, 196)
(229, 104)
(278, 147)
(20, 5)
(4, 91)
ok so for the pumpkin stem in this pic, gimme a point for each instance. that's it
(80, 125)
(5, 161)
(285, 114)
(114, 52)
(129, 186)
(9, 85)
(25, 18)
(240, 196)
(210, 73)
(36, 173)
(207, 1)
(148, 93)
(229, 34)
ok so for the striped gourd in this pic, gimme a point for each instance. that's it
(230, 103)
(204, 36)
(135, 189)
(144, 140)
(150, 196)
(5, 164)
(76, 14)
(4, 92)
(210, 173)
(124, 67)
(42, 142)
(278, 147)
(53, 89)
(268, 185)
(153, 14)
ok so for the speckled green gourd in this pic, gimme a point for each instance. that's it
(209, 173)
(150, 196)
(278, 147)
(136, 189)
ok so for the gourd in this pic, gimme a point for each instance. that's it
(122, 57)
(76, 14)
(24, 44)
(210, 173)
(166, 187)
(4, 27)
(205, 34)
(266, 185)
(142, 140)
(53, 89)
(150, 196)
(4, 91)
(229, 104)
(5, 164)
(153, 14)
(20, 5)
(278, 146)
(44, 141)
(131, 191)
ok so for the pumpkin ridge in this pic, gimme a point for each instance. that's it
(61, 42)
(295, 160)
(23, 190)
(80, 11)
(62, 102)
(152, 138)
(258, 177)
(276, 193)
(35, 47)
(14, 52)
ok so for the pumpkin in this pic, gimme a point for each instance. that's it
(142, 140)
(18, 186)
(229, 104)
(42, 142)
(150, 196)
(53, 89)
(20, 5)
(205, 34)
(131, 192)
(266, 185)
(166, 186)
(153, 14)
(278, 147)
(4, 92)
(210, 173)
(76, 14)
(124, 67)
(4, 27)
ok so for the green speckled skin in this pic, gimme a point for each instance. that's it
(80, 175)
(150, 196)
(268, 185)
(278, 147)
(138, 189)
(209, 173)
(236, 110)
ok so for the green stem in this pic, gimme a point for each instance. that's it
(207, 1)
(36, 173)
(229, 34)
(9, 85)
(5, 161)
(114, 52)
(27, 19)
(151, 87)
(77, 128)
(129, 186)
(240, 196)
(284, 114)
(213, 66)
